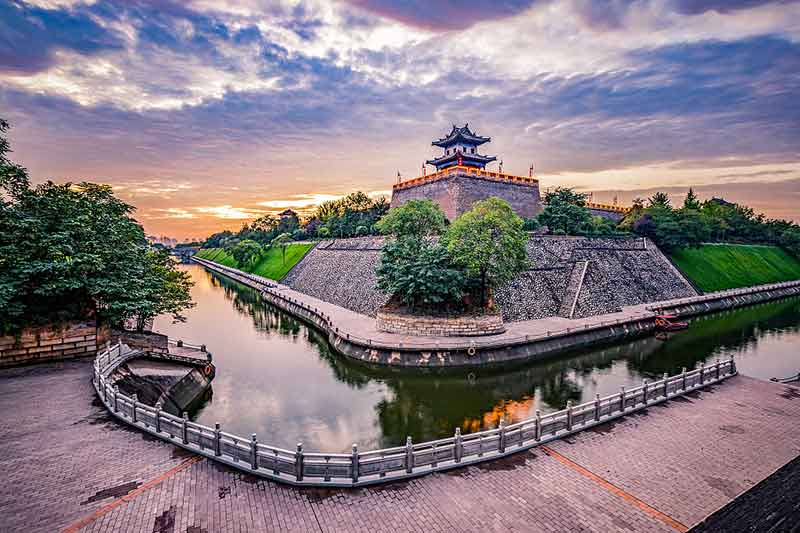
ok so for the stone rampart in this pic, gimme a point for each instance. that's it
(620, 272)
(439, 326)
(50, 343)
(457, 192)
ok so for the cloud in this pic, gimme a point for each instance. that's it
(443, 15)
(30, 36)
(229, 212)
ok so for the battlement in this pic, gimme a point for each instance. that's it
(472, 171)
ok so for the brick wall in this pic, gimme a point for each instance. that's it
(456, 193)
(435, 326)
(73, 339)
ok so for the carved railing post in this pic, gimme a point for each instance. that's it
(158, 417)
(716, 367)
(501, 442)
(622, 399)
(597, 407)
(569, 415)
(702, 373)
(644, 391)
(665, 377)
(354, 463)
(254, 452)
(134, 401)
(733, 365)
(217, 440)
(409, 455)
(683, 379)
(116, 401)
(185, 428)
(537, 426)
(298, 462)
(458, 446)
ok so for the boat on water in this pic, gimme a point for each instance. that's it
(667, 323)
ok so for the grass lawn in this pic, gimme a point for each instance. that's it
(270, 264)
(716, 267)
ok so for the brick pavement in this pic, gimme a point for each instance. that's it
(67, 463)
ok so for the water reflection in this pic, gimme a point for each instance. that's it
(279, 378)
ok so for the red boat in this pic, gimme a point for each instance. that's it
(666, 323)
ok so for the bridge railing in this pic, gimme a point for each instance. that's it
(368, 467)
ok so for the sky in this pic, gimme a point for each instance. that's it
(205, 114)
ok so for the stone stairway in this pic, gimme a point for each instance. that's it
(574, 285)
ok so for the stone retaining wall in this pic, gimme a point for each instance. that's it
(49, 343)
(439, 326)
(621, 272)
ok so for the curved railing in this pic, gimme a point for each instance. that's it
(325, 321)
(299, 467)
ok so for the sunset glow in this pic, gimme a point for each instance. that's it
(206, 114)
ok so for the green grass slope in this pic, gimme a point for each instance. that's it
(270, 265)
(716, 267)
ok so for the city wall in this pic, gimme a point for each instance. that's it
(457, 192)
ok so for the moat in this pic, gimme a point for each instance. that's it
(280, 379)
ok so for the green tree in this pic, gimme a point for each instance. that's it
(659, 199)
(246, 251)
(488, 243)
(419, 274)
(283, 241)
(162, 289)
(565, 211)
(691, 201)
(73, 251)
(415, 218)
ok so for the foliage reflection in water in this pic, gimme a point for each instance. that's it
(280, 379)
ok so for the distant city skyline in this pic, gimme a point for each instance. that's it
(206, 114)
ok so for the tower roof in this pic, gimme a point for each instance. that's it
(464, 135)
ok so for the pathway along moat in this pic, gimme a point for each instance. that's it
(280, 379)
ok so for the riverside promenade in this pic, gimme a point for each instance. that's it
(70, 466)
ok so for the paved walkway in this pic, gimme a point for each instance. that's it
(69, 466)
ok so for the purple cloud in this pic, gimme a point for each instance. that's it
(443, 15)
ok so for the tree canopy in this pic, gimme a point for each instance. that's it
(73, 251)
(565, 212)
(415, 218)
(488, 243)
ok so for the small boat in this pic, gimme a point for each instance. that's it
(666, 323)
(790, 379)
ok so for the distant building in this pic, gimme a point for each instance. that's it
(461, 179)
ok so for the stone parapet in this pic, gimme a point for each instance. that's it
(393, 321)
(146, 340)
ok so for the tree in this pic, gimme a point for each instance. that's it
(565, 211)
(73, 251)
(283, 241)
(488, 242)
(691, 201)
(659, 199)
(246, 251)
(419, 274)
(414, 267)
(416, 219)
(162, 289)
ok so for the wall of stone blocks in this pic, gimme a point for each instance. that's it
(621, 272)
(438, 326)
(73, 339)
(458, 192)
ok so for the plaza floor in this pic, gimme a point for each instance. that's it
(69, 466)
